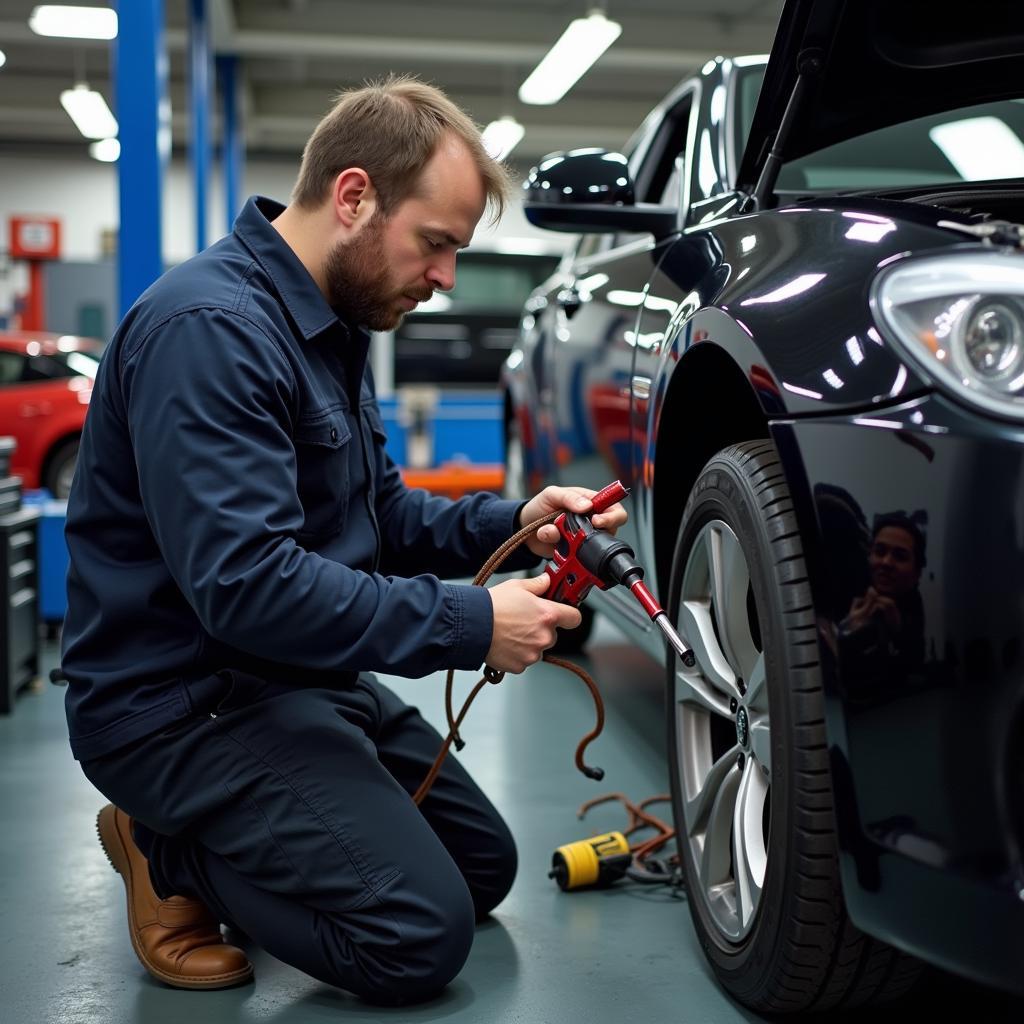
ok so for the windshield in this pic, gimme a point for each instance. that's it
(977, 143)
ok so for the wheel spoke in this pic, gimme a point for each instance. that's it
(748, 850)
(716, 865)
(757, 692)
(699, 808)
(730, 580)
(696, 626)
(692, 688)
(761, 742)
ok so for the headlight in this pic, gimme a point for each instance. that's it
(960, 318)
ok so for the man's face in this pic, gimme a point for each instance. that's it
(892, 561)
(397, 261)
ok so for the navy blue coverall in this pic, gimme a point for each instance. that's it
(232, 527)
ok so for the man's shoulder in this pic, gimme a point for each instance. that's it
(217, 283)
(214, 279)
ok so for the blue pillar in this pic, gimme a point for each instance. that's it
(141, 95)
(232, 151)
(199, 102)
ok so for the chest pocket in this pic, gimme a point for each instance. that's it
(371, 415)
(323, 449)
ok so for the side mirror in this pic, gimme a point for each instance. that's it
(591, 190)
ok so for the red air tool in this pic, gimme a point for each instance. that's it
(586, 557)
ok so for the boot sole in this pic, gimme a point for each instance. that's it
(114, 846)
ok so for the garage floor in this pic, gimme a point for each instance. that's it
(624, 955)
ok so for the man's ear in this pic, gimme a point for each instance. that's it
(353, 198)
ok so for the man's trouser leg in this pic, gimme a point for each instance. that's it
(291, 819)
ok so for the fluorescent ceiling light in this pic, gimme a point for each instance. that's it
(568, 60)
(502, 136)
(980, 148)
(89, 110)
(107, 150)
(3, 58)
(73, 22)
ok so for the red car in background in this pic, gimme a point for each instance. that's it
(45, 387)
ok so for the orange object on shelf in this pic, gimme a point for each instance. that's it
(454, 479)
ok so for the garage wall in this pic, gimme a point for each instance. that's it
(83, 194)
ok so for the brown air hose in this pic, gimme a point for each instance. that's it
(493, 675)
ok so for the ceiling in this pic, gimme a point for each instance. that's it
(297, 54)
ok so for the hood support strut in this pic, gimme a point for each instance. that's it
(809, 65)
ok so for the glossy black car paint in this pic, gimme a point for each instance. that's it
(643, 360)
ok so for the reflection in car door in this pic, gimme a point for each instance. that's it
(596, 318)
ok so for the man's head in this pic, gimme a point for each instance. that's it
(896, 556)
(397, 176)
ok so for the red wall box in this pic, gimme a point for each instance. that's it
(35, 238)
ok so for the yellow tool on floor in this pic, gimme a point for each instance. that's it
(600, 861)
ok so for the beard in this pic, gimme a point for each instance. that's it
(359, 284)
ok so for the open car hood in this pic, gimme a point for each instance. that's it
(881, 63)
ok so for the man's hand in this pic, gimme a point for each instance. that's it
(558, 499)
(865, 608)
(525, 623)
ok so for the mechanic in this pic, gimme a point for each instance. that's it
(883, 634)
(243, 553)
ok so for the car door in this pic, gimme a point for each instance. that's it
(596, 330)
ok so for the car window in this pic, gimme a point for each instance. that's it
(748, 88)
(464, 335)
(660, 178)
(59, 365)
(45, 368)
(976, 143)
(490, 282)
(10, 367)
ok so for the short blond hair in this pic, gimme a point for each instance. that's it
(391, 128)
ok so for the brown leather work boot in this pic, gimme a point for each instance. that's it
(177, 939)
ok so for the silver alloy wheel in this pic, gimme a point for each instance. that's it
(724, 746)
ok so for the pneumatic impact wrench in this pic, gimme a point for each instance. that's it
(587, 557)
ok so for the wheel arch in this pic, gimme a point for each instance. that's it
(704, 419)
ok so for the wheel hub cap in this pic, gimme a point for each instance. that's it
(743, 728)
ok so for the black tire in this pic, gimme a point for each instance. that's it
(788, 946)
(60, 467)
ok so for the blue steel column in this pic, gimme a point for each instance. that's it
(141, 95)
(199, 101)
(232, 152)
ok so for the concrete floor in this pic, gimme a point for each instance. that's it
(625, 955)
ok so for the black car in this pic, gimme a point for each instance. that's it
(794, 325)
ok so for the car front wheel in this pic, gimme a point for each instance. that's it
(60, 468)
(748, 756)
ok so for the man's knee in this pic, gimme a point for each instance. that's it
(408, 953)
(494, 872)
